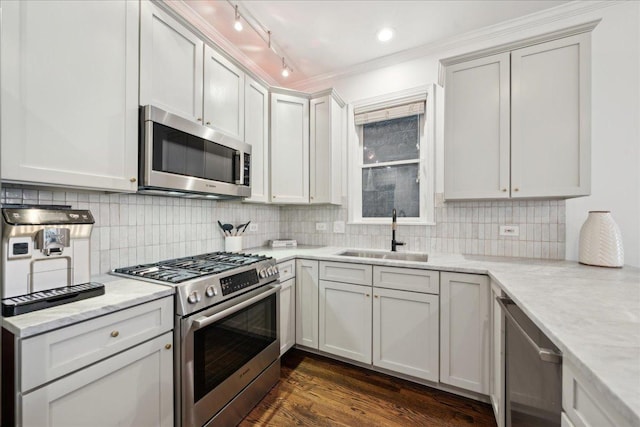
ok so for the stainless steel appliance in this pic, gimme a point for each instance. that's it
(45, 258)
(533, 372)
(226, 332)
(180, 157)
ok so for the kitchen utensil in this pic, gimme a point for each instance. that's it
(239, 229)
(228, 228)
(245, 226)
(222, 228)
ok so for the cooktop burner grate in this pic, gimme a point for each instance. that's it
(182, 269)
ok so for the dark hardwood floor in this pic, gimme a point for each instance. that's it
(317, 391)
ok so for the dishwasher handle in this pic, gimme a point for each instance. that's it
(546, 355)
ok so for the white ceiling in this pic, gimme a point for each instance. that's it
(324, 37)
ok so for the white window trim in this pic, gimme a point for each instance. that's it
(427, 155)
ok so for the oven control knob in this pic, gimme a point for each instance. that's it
(194, 297)
(270, 271)
(275, 269)
(262, 273)
(211, 291)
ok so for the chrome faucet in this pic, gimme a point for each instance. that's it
(394, 225)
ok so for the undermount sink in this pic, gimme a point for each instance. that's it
(400, 256)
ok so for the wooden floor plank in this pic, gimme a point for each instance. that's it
(318, 391)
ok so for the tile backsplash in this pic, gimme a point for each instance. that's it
(461, 227)
(132, 229)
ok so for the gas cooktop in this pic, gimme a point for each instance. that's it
(182, 269)
(208, 279)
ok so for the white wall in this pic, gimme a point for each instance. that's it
(615, 106)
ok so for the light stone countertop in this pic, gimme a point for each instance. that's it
(119, 294)
(591, 313)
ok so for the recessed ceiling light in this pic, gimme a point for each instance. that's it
(385, 34)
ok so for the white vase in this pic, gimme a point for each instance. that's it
(600, 241)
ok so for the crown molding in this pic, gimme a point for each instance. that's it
(514, 26)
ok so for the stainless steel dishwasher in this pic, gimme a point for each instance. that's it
(533, 392)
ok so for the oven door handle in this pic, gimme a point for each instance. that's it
(203, 321)
(546, 355)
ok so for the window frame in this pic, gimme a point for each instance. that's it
(426, 156)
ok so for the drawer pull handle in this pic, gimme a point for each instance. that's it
(168, 346)
(115, 334)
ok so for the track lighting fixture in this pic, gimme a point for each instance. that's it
(237, 25)
(261, 31)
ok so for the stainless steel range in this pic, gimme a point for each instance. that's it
(226, 332)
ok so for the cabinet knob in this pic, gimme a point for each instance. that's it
(168, 346)
(115, 333)
(208, 123)
(375, 296)
(516, 189)
(199, 119)
(132, 179)
(366, 295)
(504, 190)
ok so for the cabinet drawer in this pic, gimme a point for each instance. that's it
(358, 274)
(287, 270)
(407, 279)
(51, 355)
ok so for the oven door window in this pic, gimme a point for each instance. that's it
(224, 347)
(183, 154)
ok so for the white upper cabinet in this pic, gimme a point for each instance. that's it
(171, 70)
(550, 114)
(223, 95)
(517, 123)
(327, 133)
(476, 151)
(256, 133)
(289, 149)
(69, 94)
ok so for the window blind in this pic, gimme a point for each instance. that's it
(388, 113)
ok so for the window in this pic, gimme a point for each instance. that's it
(392, 160)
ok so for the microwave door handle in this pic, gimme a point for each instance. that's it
(203, 321)
(546, 355)
(237, 169)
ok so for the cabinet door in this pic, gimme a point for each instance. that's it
(289, 149)
(405, 332)
(287, 315)
(476, 139)
(464, 331)
(345, 320)
(223, 94)
(325, 145)
(170, 64)
(307, 303)
(550, 119)
(256, 133)
(69, 83)
(496, 383)
(133, 388)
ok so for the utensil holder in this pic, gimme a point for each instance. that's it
(233, 243)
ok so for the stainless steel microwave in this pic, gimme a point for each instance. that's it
(179, 157)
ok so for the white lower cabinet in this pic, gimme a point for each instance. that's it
(287, 315)
(307, 289)
(345, 320)
(113, 370)
(133, 388)
(464, 331)
(496, 383)
(405, 332)
(583, 404)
